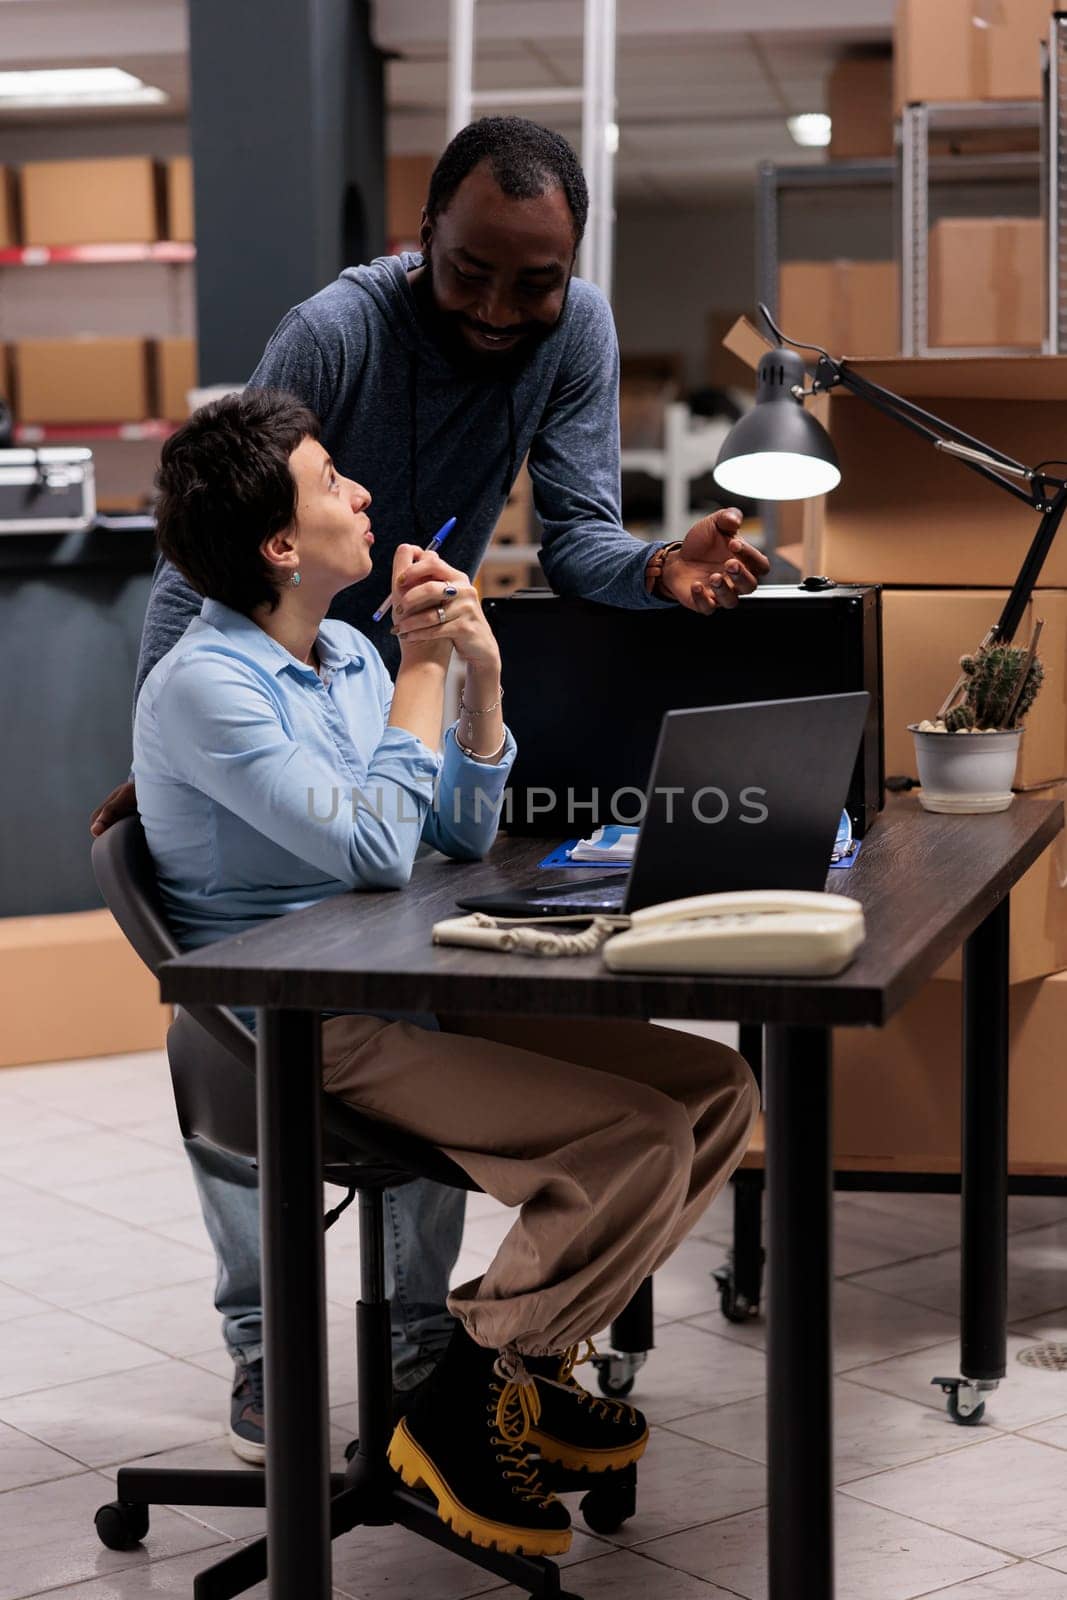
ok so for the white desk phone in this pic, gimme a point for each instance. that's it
(750, 933)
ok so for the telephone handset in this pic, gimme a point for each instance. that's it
(756, 932)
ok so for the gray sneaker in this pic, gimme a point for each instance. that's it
(246, 1413)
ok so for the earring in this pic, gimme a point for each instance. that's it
(295, 580)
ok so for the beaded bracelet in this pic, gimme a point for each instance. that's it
(485, 710)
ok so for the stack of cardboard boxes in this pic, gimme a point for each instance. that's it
(947, 546)
(130, 200)
(500, 574)
(985, 273)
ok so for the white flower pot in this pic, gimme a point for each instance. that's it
(965, 772)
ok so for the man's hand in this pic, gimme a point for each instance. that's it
(121, 802)
(713, 566)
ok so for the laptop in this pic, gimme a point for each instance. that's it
(739, 797)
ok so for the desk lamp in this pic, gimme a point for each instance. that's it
(778, 451)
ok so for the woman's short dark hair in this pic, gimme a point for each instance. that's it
(224, 485)
(524, 158)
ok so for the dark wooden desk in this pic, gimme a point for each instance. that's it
(927, 883)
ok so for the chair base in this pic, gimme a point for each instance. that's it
(368, 1494)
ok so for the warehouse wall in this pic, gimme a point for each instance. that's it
(150, 136)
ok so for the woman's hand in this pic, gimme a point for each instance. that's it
(433, 602)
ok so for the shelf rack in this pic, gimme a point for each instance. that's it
(153, 428)
(1055, 185)
(168, 252)
(918, 168)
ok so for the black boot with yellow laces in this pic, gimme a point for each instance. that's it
(579, 1430)
(464, 1439)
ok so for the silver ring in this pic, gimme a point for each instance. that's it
(450, 591)
(441, 614)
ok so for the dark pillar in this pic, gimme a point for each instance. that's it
(286, 115)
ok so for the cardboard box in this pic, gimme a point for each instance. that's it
(859, 99)
(850, 307)
(72, 987)
(522, 489)
(723, 369)
(117, 201)
(952, 50)
(987, 282)
(904, 513)
(1038, 914)
(513, 526)
(497, 578)
(86, 379)
(924, 633)
(9, 217)
(407, 182)
(175, 376)
(180, 224)
(897, 1088)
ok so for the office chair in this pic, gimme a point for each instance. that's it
(213, 1063)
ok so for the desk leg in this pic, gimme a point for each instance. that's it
(288, 1048)
(984, 1285)
(800, 1531)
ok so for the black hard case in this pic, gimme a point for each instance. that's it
(586, 687)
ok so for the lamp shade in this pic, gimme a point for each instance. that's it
(777, 451)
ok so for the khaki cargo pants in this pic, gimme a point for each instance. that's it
(611, 1137)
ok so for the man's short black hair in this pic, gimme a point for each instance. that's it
(524, 158)
(224, 485)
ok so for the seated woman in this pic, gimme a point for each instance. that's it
(277, 764)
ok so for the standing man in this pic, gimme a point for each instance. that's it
(433, 376)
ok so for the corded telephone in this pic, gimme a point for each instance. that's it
(759, 932)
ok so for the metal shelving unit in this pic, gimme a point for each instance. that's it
(773, 182)
(152, 429)
(168, 252)
(918, 169)
(1055, 185)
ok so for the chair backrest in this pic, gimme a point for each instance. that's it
(126, 877)
(214, 1087)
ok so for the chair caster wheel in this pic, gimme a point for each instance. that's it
(615, 1374)
(970, 1413)
(122, 1524)
(606, 1508)
(969, 1419)
(735, 1307)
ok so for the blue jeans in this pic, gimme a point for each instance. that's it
(423, 1231)
(423, 1234)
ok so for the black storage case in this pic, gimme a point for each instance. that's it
(586, 687)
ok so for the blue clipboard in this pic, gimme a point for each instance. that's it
(846, 849)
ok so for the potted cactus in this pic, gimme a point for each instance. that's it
(968, 754)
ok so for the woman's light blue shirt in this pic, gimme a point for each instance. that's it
(263, 788)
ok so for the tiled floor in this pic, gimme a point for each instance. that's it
(109, 1352)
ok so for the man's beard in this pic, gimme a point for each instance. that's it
(444, 327)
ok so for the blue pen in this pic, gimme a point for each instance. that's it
(435, 544)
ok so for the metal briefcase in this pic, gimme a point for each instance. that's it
(587, 685)
(47, 490)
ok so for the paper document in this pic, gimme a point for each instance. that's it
(611, 843)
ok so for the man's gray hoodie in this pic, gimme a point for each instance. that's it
(432, 442)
